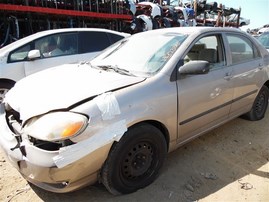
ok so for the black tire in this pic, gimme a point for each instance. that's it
(5, 86)
(134, 162)
(260, 105)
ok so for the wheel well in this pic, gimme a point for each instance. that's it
(267, 84)
(7, 81)
(161, 127)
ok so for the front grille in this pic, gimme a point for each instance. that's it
(49, 146)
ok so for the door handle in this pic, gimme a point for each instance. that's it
(228, 75)
(261, 66)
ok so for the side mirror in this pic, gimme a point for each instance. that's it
(33, 54)
(194, 67)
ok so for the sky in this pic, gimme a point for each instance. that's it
(255, 10)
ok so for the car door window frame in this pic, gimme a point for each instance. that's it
(67, 44)
(16, 55)
(221, 60)
(238, 51)
(34, 43)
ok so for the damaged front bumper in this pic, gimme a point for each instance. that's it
(38, 165)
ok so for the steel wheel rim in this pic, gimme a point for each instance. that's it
(259, 107)
(137, 161)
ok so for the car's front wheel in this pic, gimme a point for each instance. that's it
(135, 160)
(5, 86)
(260, 105)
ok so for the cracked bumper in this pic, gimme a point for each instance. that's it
(37, 165)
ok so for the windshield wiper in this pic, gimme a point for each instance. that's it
(115, 69)
(85, 63)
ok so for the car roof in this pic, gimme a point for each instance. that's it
(37, 35)
(192, 30)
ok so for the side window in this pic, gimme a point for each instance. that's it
(49, 46)
(57, 45)
(242, 49)
(20, 54)
(209, 48)
(114, 37)
(93, 41)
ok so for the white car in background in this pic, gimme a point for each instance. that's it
(242, 21)
(34, 53)
(262, 30)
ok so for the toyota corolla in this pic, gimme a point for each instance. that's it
(115, 118)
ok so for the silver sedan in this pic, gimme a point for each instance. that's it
(115, 118)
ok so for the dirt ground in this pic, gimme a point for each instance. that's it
(230, 163)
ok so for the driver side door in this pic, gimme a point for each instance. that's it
(204, 100)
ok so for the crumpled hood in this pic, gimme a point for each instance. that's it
(62, 86)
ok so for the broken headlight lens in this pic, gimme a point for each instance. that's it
(56, 126)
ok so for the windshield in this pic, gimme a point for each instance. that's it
(141, 54)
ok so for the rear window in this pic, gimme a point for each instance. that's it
(114, 37)
(93, 41)
(242, 49)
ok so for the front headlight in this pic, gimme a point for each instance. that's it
(56, 126)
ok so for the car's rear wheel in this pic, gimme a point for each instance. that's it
(5, 86)
(135, 160)
(260, 105)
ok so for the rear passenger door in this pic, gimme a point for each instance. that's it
(204, 100)
(245, 60)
